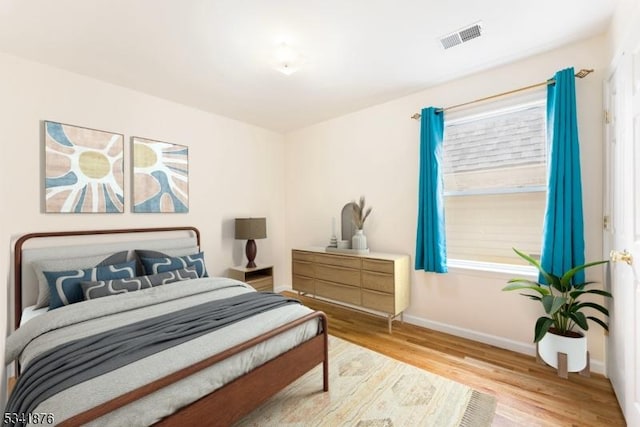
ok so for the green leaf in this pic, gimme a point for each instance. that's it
(572, 308)
(566, 278)
(576, 294)
(527, 281)
(580, 319)
(535, 287)
(527, 258)
(533, 297)
(555, 282)
(542, 326)
(599, 292)
(581, 286)
(595, 306)
(548, 277)
(552, 303)
(599, 322)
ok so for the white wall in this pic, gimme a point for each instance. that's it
(625, 16)
(374, 152)
(234, 169)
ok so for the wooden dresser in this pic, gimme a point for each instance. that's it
(374, 281)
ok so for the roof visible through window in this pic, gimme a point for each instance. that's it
(503, 140)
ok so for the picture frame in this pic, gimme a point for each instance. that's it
(83, 169)
(160, 176)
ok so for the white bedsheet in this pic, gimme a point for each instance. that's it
(31, 312)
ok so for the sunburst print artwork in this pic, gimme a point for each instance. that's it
(160, 176)
(83, 170)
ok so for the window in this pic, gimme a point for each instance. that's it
(494, 171)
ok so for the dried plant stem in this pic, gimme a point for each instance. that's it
(360, 214)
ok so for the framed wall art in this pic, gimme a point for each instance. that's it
(160, 176)
(83, 170)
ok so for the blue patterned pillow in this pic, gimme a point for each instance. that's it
(162, 253)
(159, 265)
(64, 286)
(104, 288)
(70, 263)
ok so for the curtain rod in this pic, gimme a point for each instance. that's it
(580, 74)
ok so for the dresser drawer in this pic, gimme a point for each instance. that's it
(348, 294)
(345, 276)
(304, 284)
(302, 256)
(337, 260)
(378, 301)
(380, 266)
(377, 281)
(303, 268)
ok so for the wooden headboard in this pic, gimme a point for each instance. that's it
(85, 240)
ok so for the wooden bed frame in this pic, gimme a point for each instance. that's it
(229, 403)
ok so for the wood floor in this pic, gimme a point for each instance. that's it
(528, 394)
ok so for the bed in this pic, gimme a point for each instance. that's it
(240, 346)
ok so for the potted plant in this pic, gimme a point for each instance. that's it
(360, 214)
(557, 331)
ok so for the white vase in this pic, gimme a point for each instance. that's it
(574, 347)
(359, 241)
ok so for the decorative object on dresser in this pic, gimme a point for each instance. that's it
(374, 281)
(333, 242)
(160, 176)
(250, 229)
(353, 216)
(261, 278)
(343, 244)
(360, 215)
(346, 218)
(83, 170)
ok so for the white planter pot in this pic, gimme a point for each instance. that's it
(575, 349)
(359, 240)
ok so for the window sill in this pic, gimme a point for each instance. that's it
(510, 270)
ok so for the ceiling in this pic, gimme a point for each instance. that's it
(217, 55)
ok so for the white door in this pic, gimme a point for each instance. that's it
(622, 235)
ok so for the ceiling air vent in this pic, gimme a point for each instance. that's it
(461, 36)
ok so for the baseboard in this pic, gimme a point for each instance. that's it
(494, 340)
(529, 349)
(596, 366)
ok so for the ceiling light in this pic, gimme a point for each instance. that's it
(286, 59)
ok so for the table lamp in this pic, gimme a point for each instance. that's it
(250, 229)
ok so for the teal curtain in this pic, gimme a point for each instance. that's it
(563, 232)
(431, 246)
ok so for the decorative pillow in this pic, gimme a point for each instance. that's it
(104, 288)
(64, 286)
(158, 265)
(162, 253)
(72, 263)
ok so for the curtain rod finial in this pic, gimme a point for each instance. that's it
(416, 116)
(584, 73)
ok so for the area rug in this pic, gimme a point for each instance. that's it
(368, 389)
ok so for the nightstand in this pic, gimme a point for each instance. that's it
(260, 277)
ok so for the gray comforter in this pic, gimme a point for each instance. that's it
(42, 335)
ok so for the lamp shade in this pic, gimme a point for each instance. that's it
(251, 228)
